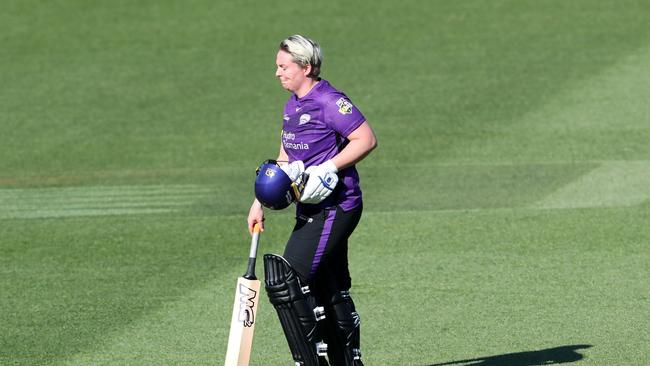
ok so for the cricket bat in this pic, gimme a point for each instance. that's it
(242, 324)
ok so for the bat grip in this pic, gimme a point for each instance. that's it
(250, 271)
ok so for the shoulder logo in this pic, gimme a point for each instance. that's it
(304, 119)
(345, 107)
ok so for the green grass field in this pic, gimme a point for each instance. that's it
(507, 208)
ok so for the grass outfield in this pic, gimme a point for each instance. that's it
(506, 208)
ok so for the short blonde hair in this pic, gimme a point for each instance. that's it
(304, 51)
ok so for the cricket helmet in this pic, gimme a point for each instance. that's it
(273, 187)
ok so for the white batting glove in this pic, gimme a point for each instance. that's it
(322, 181)
(294, 170)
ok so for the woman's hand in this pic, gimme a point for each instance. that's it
(255, 216)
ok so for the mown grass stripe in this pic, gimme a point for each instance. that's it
(93, 205)
(40, 195)
(89, 199)
(103, 190)
(613, 184)
(41, 214)
(98, 200)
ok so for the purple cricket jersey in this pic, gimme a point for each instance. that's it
(315, 129)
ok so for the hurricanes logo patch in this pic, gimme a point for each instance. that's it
(345, 107)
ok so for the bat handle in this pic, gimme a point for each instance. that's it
(250, 271)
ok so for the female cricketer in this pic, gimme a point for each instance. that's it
(309, 284)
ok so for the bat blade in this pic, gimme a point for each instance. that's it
(244, 310)
(242, 324)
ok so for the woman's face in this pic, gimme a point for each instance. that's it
(292, 76)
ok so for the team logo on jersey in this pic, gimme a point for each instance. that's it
(285, 117)
(345, 107)
(304, 119)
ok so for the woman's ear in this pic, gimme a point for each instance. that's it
(306, 70)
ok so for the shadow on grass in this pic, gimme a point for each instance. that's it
(550, 356)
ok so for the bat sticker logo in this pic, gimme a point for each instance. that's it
(247, 298)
